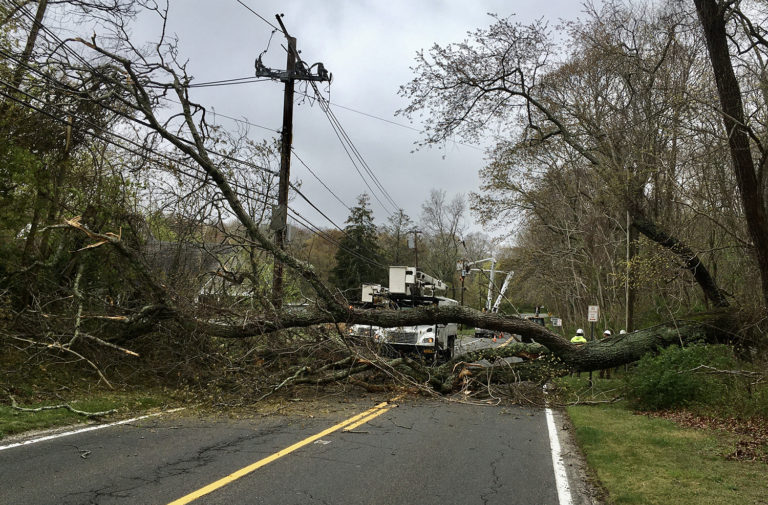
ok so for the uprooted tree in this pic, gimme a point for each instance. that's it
(611, 124)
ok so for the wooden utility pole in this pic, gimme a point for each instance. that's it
(415, 247)
(286, 138)
(295, 70)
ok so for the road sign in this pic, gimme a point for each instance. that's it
(593, 313)
(556, 321)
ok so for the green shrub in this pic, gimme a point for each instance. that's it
(666, 380)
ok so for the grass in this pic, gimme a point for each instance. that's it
(13, 421)
(644, 460)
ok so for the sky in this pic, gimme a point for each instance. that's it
(368, 46)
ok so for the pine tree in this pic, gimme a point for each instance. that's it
(358, 259)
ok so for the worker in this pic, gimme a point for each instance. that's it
(579, 338)
(623, 332)
(606, 373)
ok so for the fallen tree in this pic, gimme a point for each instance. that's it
(140, 84)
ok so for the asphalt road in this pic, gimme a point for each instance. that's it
(413, 452)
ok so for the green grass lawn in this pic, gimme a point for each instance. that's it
(14, 421)
(646, 460)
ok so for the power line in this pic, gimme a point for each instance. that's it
(122, 114)
(334, 104)
(258, 15)
(69, 88)
(379, 118)
(326, 109)
(318, 232)
(66, 87)
(244, 192)
(137, 145)
(303, 197)
(320, 180)
(346, 140)
(237, 120)
(248, 192)
(225, 82)
(350, 149)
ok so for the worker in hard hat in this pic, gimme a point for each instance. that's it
(579, 338)
(606, 374)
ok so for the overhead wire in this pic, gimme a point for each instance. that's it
(143, 153)
(338, 129)
(325, 236)
(142, 123)
(258, 15)
(68, 88)
(385, 120)
(348, 146)
(196, 170)
(320, 180)
(226, 82)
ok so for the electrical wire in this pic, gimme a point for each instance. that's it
(226, 82)
(348, 146)
(59, 83)
(258, 15)
(146, 125)
(315, 229)
(320, 233)
(320, 180)
(143, 149)
(385, 120)
(66, 87)
(338, 129)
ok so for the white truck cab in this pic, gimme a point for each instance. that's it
(410, 288)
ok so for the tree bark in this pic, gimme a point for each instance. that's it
(712, 16)
(690, 259)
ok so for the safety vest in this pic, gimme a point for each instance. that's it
(579, 339)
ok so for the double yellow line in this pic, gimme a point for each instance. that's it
(347, 425)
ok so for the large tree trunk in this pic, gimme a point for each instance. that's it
(689, 258)
(712, 16)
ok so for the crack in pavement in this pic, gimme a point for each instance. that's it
(124, 486)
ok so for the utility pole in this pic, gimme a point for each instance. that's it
(415, 245)
(295, 69)
(286, 138)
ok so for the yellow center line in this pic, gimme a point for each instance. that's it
(507, 342)
(255, 466)
(366, 419)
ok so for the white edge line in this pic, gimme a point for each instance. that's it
(83, 430)
(561, 477)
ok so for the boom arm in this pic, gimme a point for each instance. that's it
(501, 292)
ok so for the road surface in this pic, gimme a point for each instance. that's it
(409, 451)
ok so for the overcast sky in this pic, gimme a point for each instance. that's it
(368, 46)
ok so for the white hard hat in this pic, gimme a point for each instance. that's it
(623, 332)
(607, 332)
(579, 332)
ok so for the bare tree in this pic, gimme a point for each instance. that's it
(442, 221)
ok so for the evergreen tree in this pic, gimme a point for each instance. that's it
(358, 259)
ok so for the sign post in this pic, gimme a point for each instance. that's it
(593, 314)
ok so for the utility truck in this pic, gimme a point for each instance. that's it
(410, 288)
